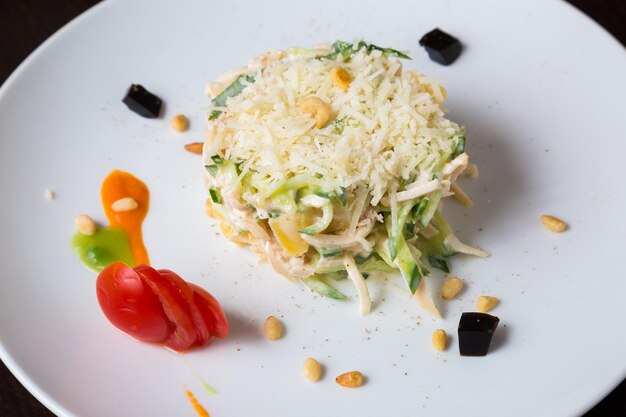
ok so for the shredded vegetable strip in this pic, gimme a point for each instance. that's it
(199, 409)
(359, 282)
(425, 299)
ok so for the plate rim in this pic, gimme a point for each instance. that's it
(53, 405)
(16, 370)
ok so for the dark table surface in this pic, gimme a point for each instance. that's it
(24, 24)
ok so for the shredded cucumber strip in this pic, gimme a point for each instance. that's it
(398, 226)
(430, 209)
(407, 261)
(293, 183)
(316, 284)
(409, 265)
(327, 217)
(375, 264)
(330, 252)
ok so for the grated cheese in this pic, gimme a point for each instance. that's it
(386, 128)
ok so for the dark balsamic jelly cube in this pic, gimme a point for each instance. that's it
(441, 47)
(475, 331)
(142, 102)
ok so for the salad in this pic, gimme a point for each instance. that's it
(332, 163)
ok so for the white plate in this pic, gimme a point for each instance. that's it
(541, 90)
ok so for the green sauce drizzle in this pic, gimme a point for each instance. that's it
(102, 248)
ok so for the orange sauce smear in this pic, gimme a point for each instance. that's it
(202, 412)
(120, 184)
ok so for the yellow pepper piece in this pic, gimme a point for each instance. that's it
(341, 78)
(285, 229)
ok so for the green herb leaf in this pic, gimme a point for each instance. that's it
(346, 50)
(387, 51)
(234, 89)
(340, 48)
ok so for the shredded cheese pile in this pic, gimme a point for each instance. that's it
(387, 127)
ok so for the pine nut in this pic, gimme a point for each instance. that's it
(273, 328)
(179, 123)
(485, 303)
(451, 287)
(554, 224)
(124, 204)
(312, 369)
(195, 147)
(439, 339)
(85, 225)
(350, 379)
